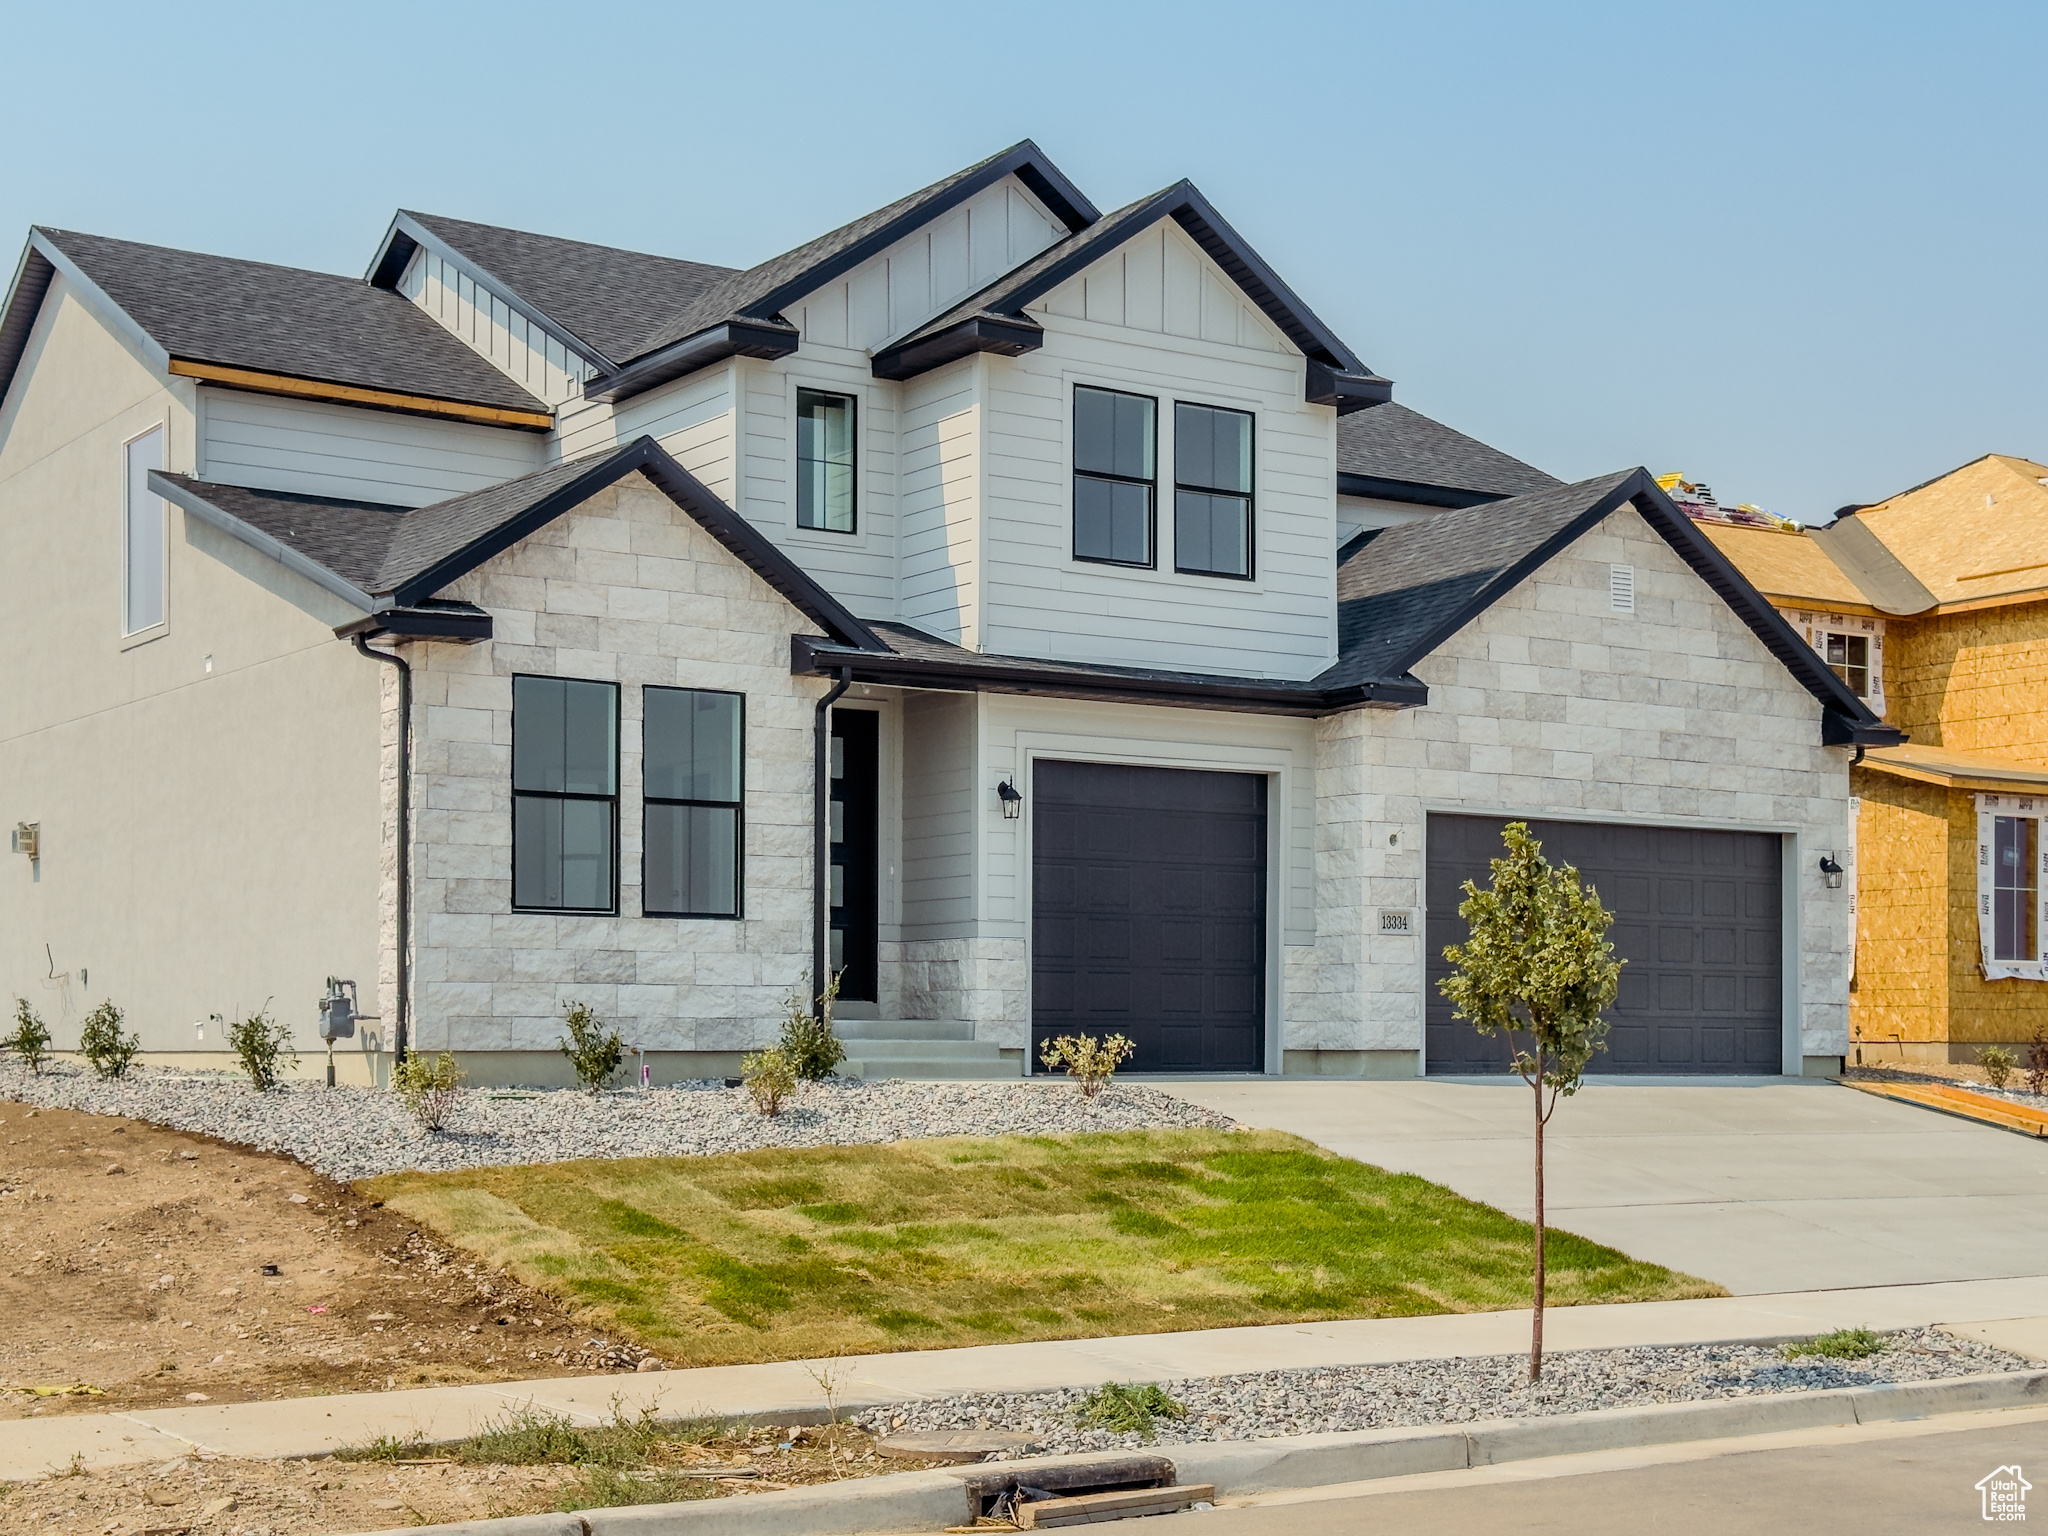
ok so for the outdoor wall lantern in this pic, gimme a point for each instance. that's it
(1830, 871)
(1012, 798)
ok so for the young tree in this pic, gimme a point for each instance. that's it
(1538, 961)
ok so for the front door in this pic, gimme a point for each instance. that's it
(855, 888)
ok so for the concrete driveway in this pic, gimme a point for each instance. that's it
(1781, 1185)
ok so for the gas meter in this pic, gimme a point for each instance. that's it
(338, 1010)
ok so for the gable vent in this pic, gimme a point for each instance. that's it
(1621, 588)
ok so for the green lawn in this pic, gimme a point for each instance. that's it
(920, 1244)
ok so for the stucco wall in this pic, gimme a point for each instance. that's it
(1552, 703)
(627, 588)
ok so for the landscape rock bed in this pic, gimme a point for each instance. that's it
(354, 1133)
(1330, 1399)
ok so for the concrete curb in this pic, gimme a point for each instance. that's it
(914, 1501)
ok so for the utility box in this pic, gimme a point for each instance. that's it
(28, 838)
(338, 1011)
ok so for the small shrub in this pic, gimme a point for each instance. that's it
(770, 1078)
(807, 1038)
(385, 1448)
(427, 1088)
(1842, 1344)
(1089, 1062)
(594, 1051)
(102, 1043)
(31, 1038)
(1997, 1063)
(260, 1043)
(1127, 1410)
(2037, 1063)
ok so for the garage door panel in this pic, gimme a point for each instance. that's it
(1697, 920)
(1169, 911)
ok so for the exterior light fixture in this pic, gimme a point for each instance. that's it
(1830, 871)
(1012, 799)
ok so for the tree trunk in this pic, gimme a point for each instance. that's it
(1536, 1329)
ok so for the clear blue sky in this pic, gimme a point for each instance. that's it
(1797, 251)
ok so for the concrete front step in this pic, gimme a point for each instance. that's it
(932, 1069)
(903, 1029)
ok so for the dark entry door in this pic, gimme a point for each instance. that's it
(856, 888)
(1696, 916)
(1148, 913)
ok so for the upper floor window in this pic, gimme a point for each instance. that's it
(693, 757)
(1115, 446)
(824, 461)
(565, 788)
(1849, 656)
(1212, 490)
(143, 537)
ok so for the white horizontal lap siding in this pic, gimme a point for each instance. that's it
(938, 830)
(1156, 318)
(315, 449)
(529, 354)
(694, 420)
(940, 535)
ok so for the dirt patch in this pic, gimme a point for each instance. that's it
(201, 1495)
(159, 1266)
(1953, 1074)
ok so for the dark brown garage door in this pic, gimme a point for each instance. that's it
(1696, 916)
(1148, 913)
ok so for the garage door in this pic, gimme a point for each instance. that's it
(1696, 915)
(1148, 912)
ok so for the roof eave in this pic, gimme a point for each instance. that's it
(33, 275)
(1840, 730)
(737, 337)
(1000, 335)
(1422, 494)
(1346, 391)
(255, 538)
(464, 623)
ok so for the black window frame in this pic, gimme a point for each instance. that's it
(518, 794)
(1151, 560)
(1249, 495)
(853, 467)
(737, 807)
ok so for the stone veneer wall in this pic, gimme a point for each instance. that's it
(627, 588)
(1551, 702)
(981, 980)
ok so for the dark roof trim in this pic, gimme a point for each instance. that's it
(1839, 730)
(434, 619)
(32, 278)
(407, 235)
(1414, 491)
(1002, 335)
(646, 456)
(1878, 573)
(809, 657)
(733, 338)
(291, 559)
(1348, 392)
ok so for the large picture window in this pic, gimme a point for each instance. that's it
(1115, 446)
(1212, 490)
(693, 760)
(565, 786)
(143, 537)
(825, 461)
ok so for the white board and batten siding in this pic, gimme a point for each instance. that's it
(1157, 317)
(530, 355)
(312, 448)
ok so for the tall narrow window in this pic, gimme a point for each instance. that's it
(1115, 444)
(2013, 890)
(565, 786)
(143, 537)
(824, 461)
(693, 762)
(1212, 490)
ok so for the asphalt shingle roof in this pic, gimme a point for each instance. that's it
(1392, 442)
(349, 538)
(309, 325)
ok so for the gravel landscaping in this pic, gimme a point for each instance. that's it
(1335, 1398)
(354, 1133)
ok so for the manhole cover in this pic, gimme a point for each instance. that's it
(956, 1444)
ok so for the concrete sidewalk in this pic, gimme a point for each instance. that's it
(2012, 1313)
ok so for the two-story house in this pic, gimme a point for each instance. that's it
(1933, 606)
(1038, 616)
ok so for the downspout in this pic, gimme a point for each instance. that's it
(389, 658)
(821, 815)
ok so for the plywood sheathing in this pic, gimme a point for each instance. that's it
(1975, 533)
(1787, 567)
(1903, 919)
(1975, 681)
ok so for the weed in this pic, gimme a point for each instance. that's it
(261, 1044)
(101, 1042)
(1997, 1063)
(31, 1038)
(807, 1038)
(770, 1077)
(1124, 1409)
(593, 1051)
(386, 1448)
(427, 1088)
(1089, 1062)
(1842, 1344)
(612, 1488)
(526, 1437)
